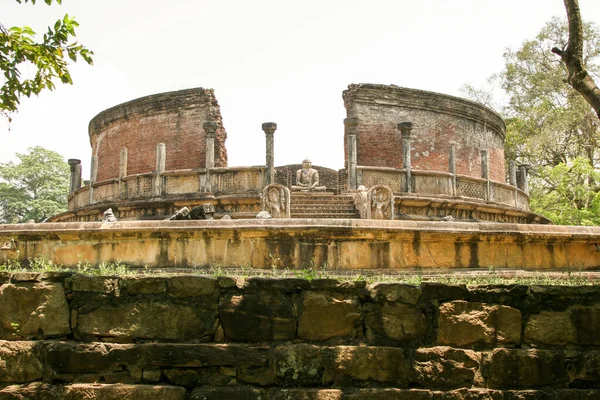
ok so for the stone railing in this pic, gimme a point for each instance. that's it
(171, 184)
(434, 184)
(70, 336)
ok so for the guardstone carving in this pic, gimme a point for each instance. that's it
(362, 203)
(382, 202)
(275, 200)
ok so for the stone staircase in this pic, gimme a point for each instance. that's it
(322, 205)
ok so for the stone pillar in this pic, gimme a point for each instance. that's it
(485, 172)
(123, 173)
(512, 173)
(523, 170)
(405, 129)
(452, 167)
(269, 128)
(210, 128)
(350, 125)
(123, 163)
(75, 166)
(161, 160)
(93, 177)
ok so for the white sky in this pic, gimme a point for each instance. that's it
(267, 60)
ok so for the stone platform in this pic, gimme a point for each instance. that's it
(299, 243)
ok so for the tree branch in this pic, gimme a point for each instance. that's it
(572, 56)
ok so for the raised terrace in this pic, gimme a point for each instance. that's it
(424, 188)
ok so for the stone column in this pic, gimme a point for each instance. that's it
(269, 128)
(452, 167)
(523, 170)
(350, 125)
(405, 129)
(161, 160)
(210, 128)
(123, 163)
(75, 166)
(123, 173)
(93, 177)
(485, 172)
(512, 173)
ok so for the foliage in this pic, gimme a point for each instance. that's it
(568, 194)
(548, 122)
(34, 188)
(49, 58)
(549, 125)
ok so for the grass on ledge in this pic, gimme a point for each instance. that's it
(490, 276)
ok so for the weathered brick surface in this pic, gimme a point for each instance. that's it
(438, 122)
(174, 118)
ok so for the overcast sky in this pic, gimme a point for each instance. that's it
(267, 60)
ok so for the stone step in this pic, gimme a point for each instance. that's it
(325, 215)
(321, 207)
(322, 200)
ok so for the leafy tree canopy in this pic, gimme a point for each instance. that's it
(34, 188)
(49, 58)
(549, 125)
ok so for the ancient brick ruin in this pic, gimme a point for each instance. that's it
(439, 157)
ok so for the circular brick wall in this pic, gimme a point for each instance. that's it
(173, 118)
(438, 122)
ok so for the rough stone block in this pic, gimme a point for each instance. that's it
(172, 355)
(350, 364)
(258, 317)
(33, 310)
(227, 393)
(191, 378)
(192, 286)
(398, 322)
(144, 285)
(462, 323)
(123, 392)
(31, 391)
(577, 394)
(306, 394)
(395, 292)
(325, 316)
(390, 394)
(445, 367)
(19, 362)
(587, 370)
(97, 360)
(95, 284)
(521, 369)
(298, 365)
(474, 394)
(147, 320)
(577, 325)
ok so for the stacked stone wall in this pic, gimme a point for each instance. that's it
(175, 119)
(68, 336)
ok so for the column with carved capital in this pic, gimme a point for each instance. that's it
(350, 125)
(269, 128)
(75, 166)
(405, 130)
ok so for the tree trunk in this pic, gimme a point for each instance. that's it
(572, 56)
